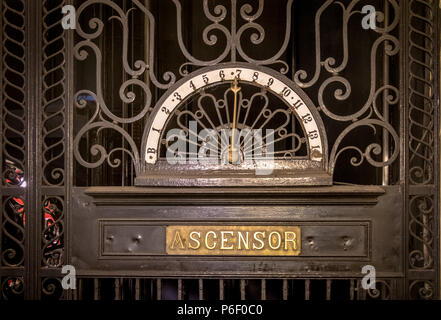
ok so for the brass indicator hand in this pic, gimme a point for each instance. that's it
(233, 154)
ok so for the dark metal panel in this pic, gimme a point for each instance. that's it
(125, 238)
(119, 238)
(385, 219)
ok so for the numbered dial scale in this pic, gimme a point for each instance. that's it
(237, 97)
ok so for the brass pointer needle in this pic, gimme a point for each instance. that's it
(233, 156)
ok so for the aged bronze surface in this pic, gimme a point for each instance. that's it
(233, 240)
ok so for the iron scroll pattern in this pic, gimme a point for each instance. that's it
(53, 125)
(13, 147)
(53, 231)
(13, 130)
(243, 18)
(368, 114)
(53, 94)
(423, 194)
(53, 132)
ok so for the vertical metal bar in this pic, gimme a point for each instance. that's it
(233, 29)
(123, 286)
(351, 290)
(32, 261)
(130, 165)
(146, 43)
(137, 292)
(437, 196)
(74, 295)
(124, 105)
(426, 227)
(68, 164)
(307, 288)
(221, 290)
(242, 289)
(293, 71)
(146, 56)
(263, 289)
(285, 289)
(360, 292)
(158, 289)
(117, 282)
(404, 127)
(1, 127)
(80, 289)
(201, 289)
(328, 289)
(383, 290)
(96, 289)
(179, 289)
(386, 171)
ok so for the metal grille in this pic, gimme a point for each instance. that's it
(53, 142)
(363, 129)
(230, 289)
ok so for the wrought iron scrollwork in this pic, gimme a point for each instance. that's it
(13, 232)
(244, 20)
(421, 290)
(12, 288)
(53, 231)
(53, 94)
(301, 76)
(104, 118)
(382, 291)
(422, 206)
(51, 289)
(368, 114)
(99, 123)
(421, 86)
(233, 35)
(370, 150)
(13, 91)
(421, 232)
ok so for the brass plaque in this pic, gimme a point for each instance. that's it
(233, 240)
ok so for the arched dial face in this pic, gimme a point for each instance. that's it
(238, 97)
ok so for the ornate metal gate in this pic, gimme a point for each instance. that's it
(85, 122)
